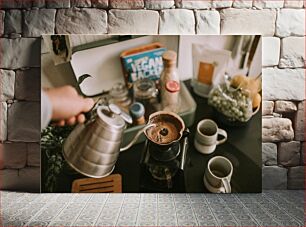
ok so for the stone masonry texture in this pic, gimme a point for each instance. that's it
(20, 53)
(267, 107)
(58, 4)
(269, 154)
(2, 14)
(33, 158)
(126, 4)
(159, 4)
(24, 122)
(270, 51)
(80, 3)
(246, 21)
(299, 122)
(18, 4)
(38, 3)
(13, 21)
(189, 4)
(207, 22)
(7, 84)
(38, 21)
(293, 52)
(27, 84)
(261, 4)
(274, 177)
(24, 179)
(289, 84)
(74, 20)
(281, 22)
(303, 160)
(277, 129)
(99, 3)
(127, 21)
(221, 4)
(293, 3)
(3, 122)
(14, 155)
(178, 21)
(285, 106)
(296, 177)
(290, 22)
(242, 4)
(289, 153)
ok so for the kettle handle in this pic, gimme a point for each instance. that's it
(136, 137)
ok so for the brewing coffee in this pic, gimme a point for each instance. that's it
(167, 128)
(164, 132)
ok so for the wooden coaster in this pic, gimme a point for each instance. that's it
(109, 184)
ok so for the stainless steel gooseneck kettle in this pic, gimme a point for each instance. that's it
(92, 149)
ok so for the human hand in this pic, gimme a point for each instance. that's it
(67, 106)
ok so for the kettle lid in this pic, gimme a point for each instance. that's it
(109, 118)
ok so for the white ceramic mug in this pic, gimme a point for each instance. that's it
(206, 138)
(218, 174)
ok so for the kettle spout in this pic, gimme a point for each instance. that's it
(138, 134)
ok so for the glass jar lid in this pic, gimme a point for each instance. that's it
(118, 91)
(137, 110)
(144, 88)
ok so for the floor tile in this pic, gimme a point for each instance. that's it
(270, 208)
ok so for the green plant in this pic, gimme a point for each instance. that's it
(52, 140)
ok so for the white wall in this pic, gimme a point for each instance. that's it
(217, 42)
(185, 50)
(109, 62)
(107, 57)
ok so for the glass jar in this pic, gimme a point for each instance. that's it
(145, 92)
(119, 95)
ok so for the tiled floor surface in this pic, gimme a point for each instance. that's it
(271, 208)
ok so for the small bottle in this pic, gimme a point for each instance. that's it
(170, 83)
(137, 112)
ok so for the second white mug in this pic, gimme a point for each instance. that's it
(206, 138)
(218, 174)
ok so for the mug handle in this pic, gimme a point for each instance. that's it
(222, 133)
(227, 185)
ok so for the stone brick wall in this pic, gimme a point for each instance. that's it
(282, 22)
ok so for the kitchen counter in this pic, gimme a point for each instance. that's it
(243, 148)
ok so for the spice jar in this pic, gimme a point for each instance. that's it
(119, 95)
(137, 112)
(145, 92)
(170, 83)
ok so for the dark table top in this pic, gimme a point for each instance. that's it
(242, 148)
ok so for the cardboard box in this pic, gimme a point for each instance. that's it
(143, 62)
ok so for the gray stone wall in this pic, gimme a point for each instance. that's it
(282, 23)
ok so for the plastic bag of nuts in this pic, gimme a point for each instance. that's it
(234, 104)
(237, 100)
